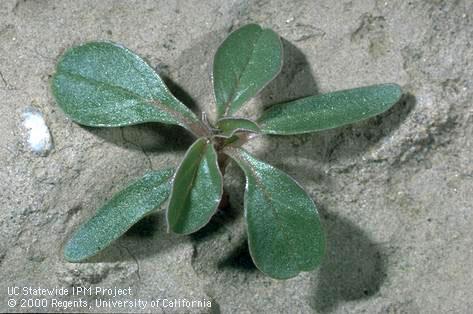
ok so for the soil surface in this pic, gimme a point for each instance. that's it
(395, 192)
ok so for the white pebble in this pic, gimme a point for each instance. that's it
(38, 136)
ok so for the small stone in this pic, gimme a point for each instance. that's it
(36, 132)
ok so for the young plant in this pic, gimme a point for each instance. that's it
(102, 84)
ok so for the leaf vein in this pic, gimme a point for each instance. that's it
(238, 78)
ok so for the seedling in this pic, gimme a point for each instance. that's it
(102, 84)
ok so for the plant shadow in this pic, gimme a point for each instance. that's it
(147, 227)
(346, 142)
(354, 267)
(219, 221)
(239, 258)
(355, 139)
(194, 71)
(294, 81)
(151, 234)
(181, 93)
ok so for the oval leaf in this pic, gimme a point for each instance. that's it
(329, 110)
(104, 84)
(197, 189)
(230, 126)
(245, 62)
(284, 232)
(124, 209)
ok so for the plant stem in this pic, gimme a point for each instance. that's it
(199, 129)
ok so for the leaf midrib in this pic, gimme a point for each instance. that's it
(238, 79)
(194, 176)
(175, 114)
(156, 185)
(268, 196)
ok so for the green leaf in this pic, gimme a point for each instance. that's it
(245, 62)
(104, 84)
(330, 110)
(284, 232)
(124, 209)
(197, 189)
(230, 126)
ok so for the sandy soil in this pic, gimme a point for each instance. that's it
(395, 192)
